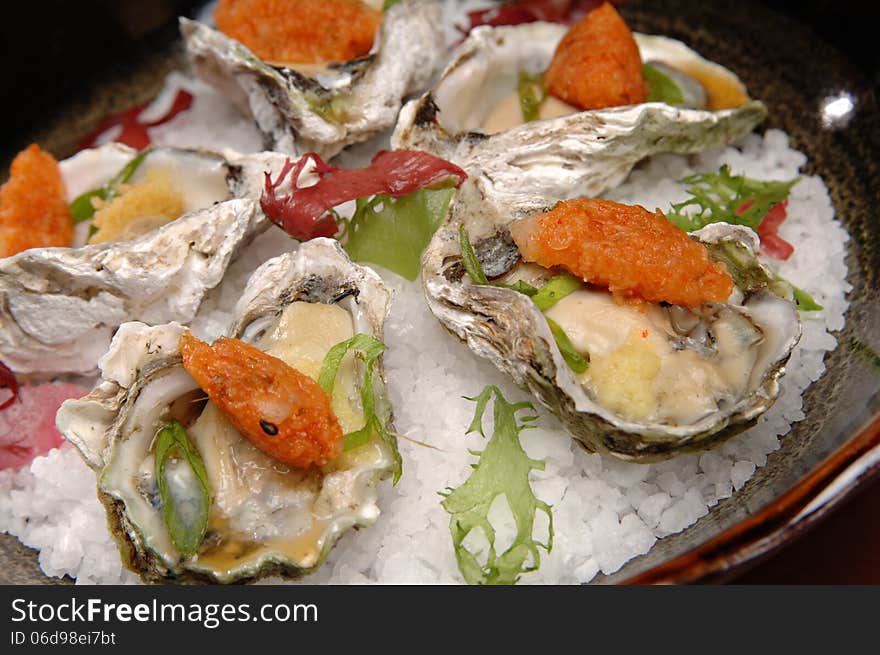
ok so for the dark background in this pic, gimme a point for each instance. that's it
(55, 54)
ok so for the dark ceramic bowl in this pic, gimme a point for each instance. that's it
(826, 457)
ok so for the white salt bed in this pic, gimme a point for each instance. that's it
(52, 506)
(605, 511)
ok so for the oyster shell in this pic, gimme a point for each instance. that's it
(346, 104)
(579, 154)
(748, 339)
(60, 306)
(266, 518)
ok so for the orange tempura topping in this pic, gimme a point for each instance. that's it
(33, 205)
(281, 411)
(300, 31)
(597, 63)
(636, 254)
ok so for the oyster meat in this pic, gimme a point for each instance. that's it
(660, 381)
(266, 518)
(60, 306)
(568, 154)
(346, 103)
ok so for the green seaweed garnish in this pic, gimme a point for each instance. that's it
(661, 88)
(82, 209)
(394, 232)
(532, 94)
(723, 197)
(503, 469)
(368, 349)
(185, 510)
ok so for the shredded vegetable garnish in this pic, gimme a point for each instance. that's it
(502, 470)
(532, 94)
(661, 88)
(368, 349)
(183, 488)
(556, 288)
(548, 295)
(8, 381)
(82, 208)
(305, 212)
(134, 132)
(576, 362)
(523, 287)
(469, 258)
(735, 199)
(805, 301)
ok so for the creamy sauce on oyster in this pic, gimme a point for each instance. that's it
(262, 508)
(641, 369)
(723, 89)
(508, 113)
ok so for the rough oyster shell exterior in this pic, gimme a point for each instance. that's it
(295, 112)
(581, 154)
(114, 425)
(60, 306)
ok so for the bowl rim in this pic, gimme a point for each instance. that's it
(839, 477)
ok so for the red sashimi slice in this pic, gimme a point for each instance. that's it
(303, 212)
(27, 426)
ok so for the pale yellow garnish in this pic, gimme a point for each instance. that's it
(622, 380)
(138, 209)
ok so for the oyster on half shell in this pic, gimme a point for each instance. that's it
(59, 307)
(660, 381)
(572, 154)
(266, 518)
(347, 103)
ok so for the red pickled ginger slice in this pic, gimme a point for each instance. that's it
(772, 244)
(529, 11)
(303, 213)
(133, 131)
(27, 426)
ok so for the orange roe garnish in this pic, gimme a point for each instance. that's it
(33, 205)
(281, 411)
(597, 63)
(636, 254)
(300, 31)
